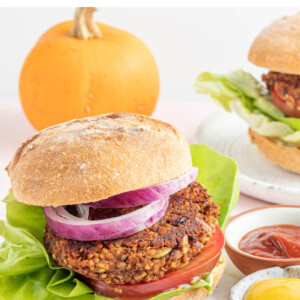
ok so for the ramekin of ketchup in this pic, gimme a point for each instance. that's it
(264, 237)
(275, 242)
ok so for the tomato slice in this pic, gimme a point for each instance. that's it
(200, 266)
(281, 104)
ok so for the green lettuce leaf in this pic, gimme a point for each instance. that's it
(292, 122)
(206, 282)
(27, 272)
(219, 174)
(241, 92)
(32, 220)
(14, 252)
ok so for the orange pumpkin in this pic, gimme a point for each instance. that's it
(82, 68)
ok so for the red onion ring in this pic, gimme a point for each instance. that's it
(148, 194)
(83, 211)
(69, 226)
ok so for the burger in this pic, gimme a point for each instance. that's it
(109, 207)
(271, 107)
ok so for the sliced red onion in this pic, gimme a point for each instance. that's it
(83, 211)
(149, 194)
(69, 226)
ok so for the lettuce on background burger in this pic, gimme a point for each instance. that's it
(110, 207)
(272, 110)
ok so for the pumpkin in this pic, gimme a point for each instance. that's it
(82, 68)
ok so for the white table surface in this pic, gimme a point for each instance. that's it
(185, 115)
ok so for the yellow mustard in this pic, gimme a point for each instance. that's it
(274, 289)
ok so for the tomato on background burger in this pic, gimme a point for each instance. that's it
(285, 91)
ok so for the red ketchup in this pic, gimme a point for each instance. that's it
(277, 242)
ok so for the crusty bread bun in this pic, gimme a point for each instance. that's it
(94, 158)
(277, 46)
(286, 157)
(203, 293)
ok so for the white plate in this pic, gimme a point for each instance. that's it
(228, 134)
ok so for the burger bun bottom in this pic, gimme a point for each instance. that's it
(286, 157)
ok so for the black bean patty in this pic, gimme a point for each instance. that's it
(286, 86)
(171, 243)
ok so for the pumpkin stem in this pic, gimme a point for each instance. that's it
(84, 27)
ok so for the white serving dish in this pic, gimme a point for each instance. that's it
(227, 133)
